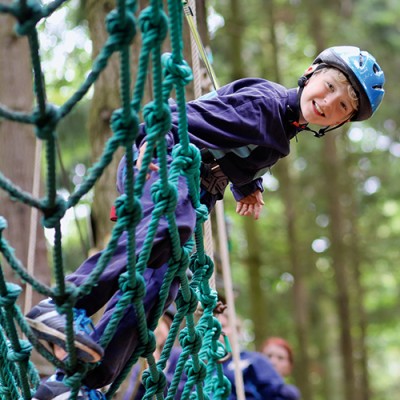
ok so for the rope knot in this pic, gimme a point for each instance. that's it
(126, 217)
(66, 300)
(53, 215)
(139, 288)
(155, 387)
(150, 346)
(196, 376)
(121, 31)
(28, 16)
(204, 269)
(13, 291)
(157, 121)
(21, 355)
(193, 343)
(189, 159)
(47, 122)
(180, 74)
(153, 25)
(187, 306)
(202, 213)
(125, 130)
(164, 196)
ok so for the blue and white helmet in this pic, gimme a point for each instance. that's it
(363, 73)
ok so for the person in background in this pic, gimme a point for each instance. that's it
(261, 380)
(280, 353)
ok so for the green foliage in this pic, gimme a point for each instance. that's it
(370, 193)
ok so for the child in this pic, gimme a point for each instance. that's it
(242, 130)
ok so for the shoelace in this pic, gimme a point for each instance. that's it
(94, 394)
(82, 322)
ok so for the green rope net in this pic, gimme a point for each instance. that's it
(201, 348)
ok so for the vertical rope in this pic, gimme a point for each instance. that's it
(33, 226)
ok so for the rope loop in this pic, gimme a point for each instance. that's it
(154, 32)
(222, 390)
(180, 74)
(155, 386)
(165, 196)
(124, 130)
(52, 216)
(47, 122)
(21, 355)
(158, 121)
(126, 217)
(28, 17)
(13, 291)
(121, 31)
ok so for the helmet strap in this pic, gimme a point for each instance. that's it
(321, 132)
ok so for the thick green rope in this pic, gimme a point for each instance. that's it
(199, 341)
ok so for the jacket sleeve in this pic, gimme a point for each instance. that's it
(239, 192)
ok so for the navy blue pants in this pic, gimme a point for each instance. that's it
(107, 290)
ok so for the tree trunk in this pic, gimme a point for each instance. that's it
(355, 256)
(17, 149)
(333, 190)
(300, 300)
(300, 296)
(105, 101)
(17, 163)
(235, 27)
(258, 310)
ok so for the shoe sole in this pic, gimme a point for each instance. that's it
(64, 396)
(54, 336)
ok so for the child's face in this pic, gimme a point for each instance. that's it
(279, 358)
(325, 101)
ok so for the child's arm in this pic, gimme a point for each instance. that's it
(142, 150)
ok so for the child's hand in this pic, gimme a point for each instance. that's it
(139, 161)
(251, 205)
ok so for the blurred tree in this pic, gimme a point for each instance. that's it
(20, 162)
(17, 152)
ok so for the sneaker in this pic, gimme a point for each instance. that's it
(55, 389)
(49, 326)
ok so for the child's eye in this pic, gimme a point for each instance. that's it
(330, 86)
(344, 106)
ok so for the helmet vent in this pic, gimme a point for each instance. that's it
(376, 68)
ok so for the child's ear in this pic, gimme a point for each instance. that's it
(310, 70)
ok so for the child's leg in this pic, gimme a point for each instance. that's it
(49, 325)
(125, 340)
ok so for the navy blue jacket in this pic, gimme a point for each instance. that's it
(247, 127)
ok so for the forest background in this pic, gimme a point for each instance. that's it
(320, 266)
